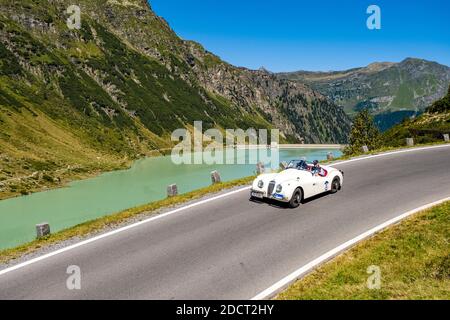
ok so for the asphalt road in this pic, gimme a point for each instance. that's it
(232, 248)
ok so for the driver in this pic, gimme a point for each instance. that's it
(301, 165)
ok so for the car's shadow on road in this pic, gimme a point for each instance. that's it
(284, 205)
(317, 197)
(270, 202)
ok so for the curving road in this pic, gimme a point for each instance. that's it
(231, 248)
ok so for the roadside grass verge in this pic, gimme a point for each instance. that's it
(97, 225)
(413, 257)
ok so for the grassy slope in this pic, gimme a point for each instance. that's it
(413, 256)
(427, 128)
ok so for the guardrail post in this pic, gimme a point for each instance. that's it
(330, 156)
(42, 230)
(446, 137)
(365, 149)
(215, 177)
(172, 190)
(260, 168)
(409, 142)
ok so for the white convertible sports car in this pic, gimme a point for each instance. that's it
(299, 181)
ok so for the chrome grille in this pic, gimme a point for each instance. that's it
(270, 188)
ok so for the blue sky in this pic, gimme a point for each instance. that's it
(288, 35)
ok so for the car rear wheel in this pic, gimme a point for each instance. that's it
(335, 185)
(296, 198)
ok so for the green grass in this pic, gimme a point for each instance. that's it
(427, 128)
(99, 224)
(404, 97)
(413, 257)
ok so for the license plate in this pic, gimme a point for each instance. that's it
(257, 195)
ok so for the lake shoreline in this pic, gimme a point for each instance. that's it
(64, 179)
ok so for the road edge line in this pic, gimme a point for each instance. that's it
(307, 268)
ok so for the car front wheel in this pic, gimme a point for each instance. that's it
(296, 198)
(335, 185)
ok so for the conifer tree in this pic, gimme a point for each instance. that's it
(364, 132)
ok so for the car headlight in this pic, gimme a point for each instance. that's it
(260, 184)
(279, 188)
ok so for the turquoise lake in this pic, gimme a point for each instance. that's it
(111, 192)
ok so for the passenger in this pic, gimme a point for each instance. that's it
(317, 169)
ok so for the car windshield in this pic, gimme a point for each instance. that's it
(298, 164)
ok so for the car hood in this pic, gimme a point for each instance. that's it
(286, 175)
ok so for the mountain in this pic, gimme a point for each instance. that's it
(428, 127)
(391, 91)
(76, 101)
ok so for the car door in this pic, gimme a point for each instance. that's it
(318, 184)
(324, 185)
(309, 185)
(321, 181)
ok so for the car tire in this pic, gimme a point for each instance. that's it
(296, 198)
(335, 185)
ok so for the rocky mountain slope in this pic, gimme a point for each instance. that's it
(390, 90)
(74, 101)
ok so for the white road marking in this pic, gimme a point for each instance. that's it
(110, 233)
(302, 271)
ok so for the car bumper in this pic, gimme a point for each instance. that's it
(258, 194)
